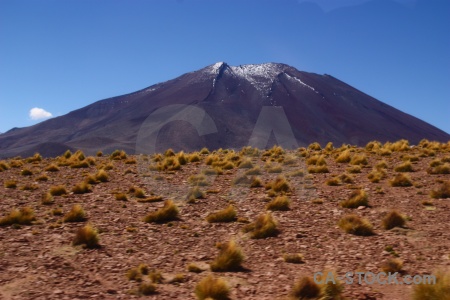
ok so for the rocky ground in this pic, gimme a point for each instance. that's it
(38, 261)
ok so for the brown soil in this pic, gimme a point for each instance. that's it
(38, 261)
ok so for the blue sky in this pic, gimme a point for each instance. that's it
(62, 55)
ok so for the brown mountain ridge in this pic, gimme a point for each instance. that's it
(233, 99)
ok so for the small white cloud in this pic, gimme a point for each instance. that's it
(37, 113)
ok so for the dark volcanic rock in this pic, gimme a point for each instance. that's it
(314, 107)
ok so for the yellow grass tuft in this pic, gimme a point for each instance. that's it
(357, 198)
(305, 288)
(264, 226)
(225, 215)
(401, 180)
(58, 190)
(353, 224)
(439, 290)
(442, 192)
(392, 265)
(229, 259)
(76, 214)
(23, 216)
(169, 212)
(86, 236)
(279, 203)
(404, 167)
(82, 188)
(211, 287)
(393, 219)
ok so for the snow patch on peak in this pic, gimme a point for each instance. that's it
(216, 67)
(261, 76)
(301, 82)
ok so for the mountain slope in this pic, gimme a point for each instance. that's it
(317, 107)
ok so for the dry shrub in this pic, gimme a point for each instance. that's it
(254, 171)
(22, 216)
(280, 185)
(199, 180)
(87, 236)
(211, 287)
(76, 214)
(118, 155)
(52, 168)
(256, 182)
(47, 199)
(82, 188)
(354, 169)
(295, 258)
(376, 175)
(353, 224)
(195, 193)
(169, 212)
(439, 290)
(305, 288)
(222, 216)
(102, 176)
(58, 190)
(315, 146)
(393, 219)
(147, 288)
(404, 167)
(10, 184)
(194, 268)
(442, 192)
(357, 198)
(26, 172)
(121, 196)
(280, 203)
(343, 157)
(401, 180)
(392, 265)
(318, 160)
(441, 169)
(359, 159)
(264, 226)
(318, 169)
(242, 180)
(346, 178)
(229, 259)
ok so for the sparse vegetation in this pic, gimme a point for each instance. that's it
(82, 188)
(393, 219)
(442, 192)
(87, 236)
(76, 214)
(353, 224)
(357, 198)
(211, 287)
(343, 157)
(229, 259)
(295, 258)
(392, 265)
(401, 180)
(439, 290)
(22, 216)
(264, 226)
(169, 212)
(58, 190)
(102, 176)
(225, 215)
(279, 203)
(404, 167)
(10, 184)
(305, 288)
(359, 159)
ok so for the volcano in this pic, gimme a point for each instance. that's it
(223, 106)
